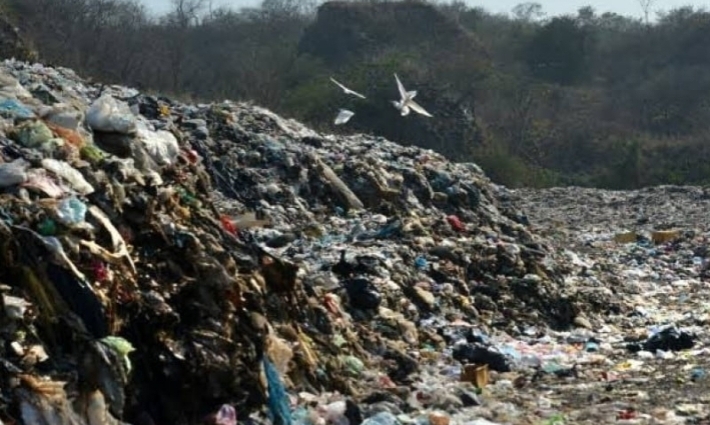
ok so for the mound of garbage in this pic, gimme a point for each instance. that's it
(171, 263)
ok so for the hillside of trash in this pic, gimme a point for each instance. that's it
(161, 260)
(167, 263)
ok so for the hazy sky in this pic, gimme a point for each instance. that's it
(551, 7)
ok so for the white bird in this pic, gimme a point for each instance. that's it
(407, 103)
(343, 116)
(347, 90)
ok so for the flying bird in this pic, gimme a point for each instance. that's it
(406, 102)
(343, 116)
(347, 90)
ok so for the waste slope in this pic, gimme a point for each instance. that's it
(160, 260)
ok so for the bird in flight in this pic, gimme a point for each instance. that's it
(406, 102)
(347, 90)
(343, 116)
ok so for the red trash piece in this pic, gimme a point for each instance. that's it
(192, 155)
(626, 415)
(455, 223)
(100, 271)
(228, 225)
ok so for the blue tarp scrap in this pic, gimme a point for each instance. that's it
(279, 412)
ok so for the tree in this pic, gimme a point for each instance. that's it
(556, 52)
(646, 8)
(288, 9)
(586, 15)
(185, 14)
(528, 11)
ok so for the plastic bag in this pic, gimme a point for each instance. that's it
(36, 135)
(110, 115)
(65, 171)
(13, 108)
(335, 413)
(11, 88)
(226, 415)
(161, 145)
(62, 115)
(13, 173)
(71, 211)
(38, 180)
(381, 418)
(14, 307)
(279, 411)
(71, 136)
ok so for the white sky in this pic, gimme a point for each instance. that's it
(550, 7)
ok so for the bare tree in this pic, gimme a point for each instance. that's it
(187, 12)
(288, 9)
(185, 15)
(646, 6)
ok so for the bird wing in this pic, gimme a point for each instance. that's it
(347, 90)
(418, 108)
(338, 84)
(402, 92)
(354, 93)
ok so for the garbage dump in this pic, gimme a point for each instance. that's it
(645, 360)
(165, 263)
(162, 261)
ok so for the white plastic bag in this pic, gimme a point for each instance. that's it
(68, 173)
(110, 115)
(161, 145)
(39, 180)
(62, 115)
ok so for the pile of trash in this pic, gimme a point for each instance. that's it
(644, 360)
(621, 216)
(166, 263)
